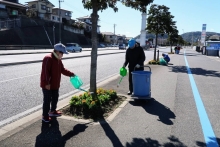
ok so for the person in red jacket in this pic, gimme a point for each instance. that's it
(52, 68)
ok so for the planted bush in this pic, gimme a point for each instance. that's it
(84, 106)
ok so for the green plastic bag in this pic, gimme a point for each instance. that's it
(162, 62)
(76, 82)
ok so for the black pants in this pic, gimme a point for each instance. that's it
(50, 98)
(130, 77)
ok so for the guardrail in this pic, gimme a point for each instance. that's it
(24, 47)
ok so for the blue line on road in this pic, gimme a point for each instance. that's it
(208, 133)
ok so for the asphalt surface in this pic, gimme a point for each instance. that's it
(169, 119)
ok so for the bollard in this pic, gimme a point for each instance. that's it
(158, 55)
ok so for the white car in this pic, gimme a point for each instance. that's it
(73, 47)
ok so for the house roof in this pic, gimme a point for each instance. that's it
(41, 1)
(107, 33)
(12, 4)
(63, 9)
(84, 17)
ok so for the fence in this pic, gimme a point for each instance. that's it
(8, 24)
(24, 47)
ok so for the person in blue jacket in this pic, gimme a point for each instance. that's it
(166, 57)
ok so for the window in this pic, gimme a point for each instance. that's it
(66, 13)
(58, 19)
(110, 36)
(14, 12)
(48, 9)
(53, 17)
(43, 7)
(33, 6)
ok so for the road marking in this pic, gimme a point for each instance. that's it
(18, 78)
(208, 132)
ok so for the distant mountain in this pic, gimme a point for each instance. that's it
(186, 36)
(196, 35)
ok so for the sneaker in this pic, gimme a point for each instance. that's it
(55, 113)
(46, 118)
(129, 92)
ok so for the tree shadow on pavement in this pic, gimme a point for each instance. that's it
(156, 108)
(213, 143)
(148, 142)
(51, 136)
(196, 71)
(110, 133)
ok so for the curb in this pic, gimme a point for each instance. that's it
(36, 61)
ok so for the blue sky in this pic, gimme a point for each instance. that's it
(189, 15)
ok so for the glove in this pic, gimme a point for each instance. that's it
(137, 66)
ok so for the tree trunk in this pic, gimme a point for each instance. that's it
(155, 48)
(93, 67)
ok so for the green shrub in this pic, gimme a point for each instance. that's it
(92, 108)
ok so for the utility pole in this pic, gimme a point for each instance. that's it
(114, 34)
(183, 40)
(60, 19)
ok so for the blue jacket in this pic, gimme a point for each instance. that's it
(167, 58)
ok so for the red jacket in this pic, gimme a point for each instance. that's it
(51, 72)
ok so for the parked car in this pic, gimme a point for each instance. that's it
(73, 47)
(121, 46)
(102, 45)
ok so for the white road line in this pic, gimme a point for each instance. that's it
(18, 78)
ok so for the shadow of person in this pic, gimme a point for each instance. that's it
(50, 135)
(76, 130)
(156, 108)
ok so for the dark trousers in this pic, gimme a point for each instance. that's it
(50, 98)
(130, 80)
(130, 77)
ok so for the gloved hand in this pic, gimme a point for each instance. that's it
(137, 66)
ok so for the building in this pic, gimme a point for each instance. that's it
(87, 23)
(40, 8)
(10, 9)
(65, 15)
(110, 37)
(121, 39)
